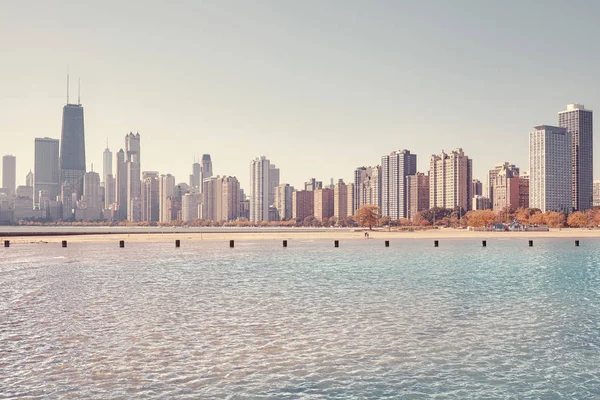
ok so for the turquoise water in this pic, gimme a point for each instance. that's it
(259, 321)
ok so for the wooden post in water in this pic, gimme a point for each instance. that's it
(231, 244)
(285, 243)
(64, 243)
(121, 243)
(577, 243)
(177, 243)
(436, 243)
(531, 243)
(483, 243)
(387, 243)
(7, 243)
(336, 243)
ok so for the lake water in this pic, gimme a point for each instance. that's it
(310, 321)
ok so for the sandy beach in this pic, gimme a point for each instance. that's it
(291, 234)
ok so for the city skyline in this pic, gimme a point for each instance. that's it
(402, 78)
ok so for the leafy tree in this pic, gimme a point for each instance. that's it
(555, 219)
(367, 216)
(479, 218)
(578, 219)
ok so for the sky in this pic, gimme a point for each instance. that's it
(318, 87)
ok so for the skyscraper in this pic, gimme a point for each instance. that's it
(134, 183)
(506, 189)
(283, 201)
(340, 200)
(313, 184)
(578, 122)
(597, 193)
(121, 185)
(417, 194)
(259, 189)
(72, 146)
(108, 178)
(166, 193)
(106, 164)
(207, 170)
(550, 169)
(189, 206)
(491, 178)
(91, 191)
(303, 204)
(450, 178)
(395, 167)
(9, 174)
(220, 198)
(323, 203)
(29, 179)
(47, 168)
(150, 197)
(273, 183)
(196, 178)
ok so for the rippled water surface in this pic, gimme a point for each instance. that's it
(259, 321)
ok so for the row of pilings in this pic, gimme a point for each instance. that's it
(336, 243)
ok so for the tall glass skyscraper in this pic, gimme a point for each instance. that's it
(72, 148)
(578, 121)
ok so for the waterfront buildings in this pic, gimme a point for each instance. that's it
(323, 203)
(207, 168)
(220, 198)
(597, 193)
(417, 194)
(273, 183)
(492, 173)
(121, 187)
(283, 201)
(524, 190)
(91, 191)
(578, 122)
(350, 200)
(259, 189)
(450, 179)
(340, 200)
(361, 174)
(370, 190)
(72, 147)
(29, 179)
(46, 169)
(166, 194)
(190, 203)
(313, 184)
(395, 167)
(150, 197)
(303, 204)
(108, 179)
(196, 178)
(134, 183)
(550, 169)
(9, 174)
(476, 188)
(506, 189)
(480, 203)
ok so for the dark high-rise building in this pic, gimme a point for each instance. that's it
(207, 171)
(578, 121)
(72, 147)
(47, 172)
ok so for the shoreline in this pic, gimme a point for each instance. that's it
(281, 234)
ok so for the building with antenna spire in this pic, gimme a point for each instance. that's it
(72, 145)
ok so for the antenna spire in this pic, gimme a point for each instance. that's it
(67, 84)
(79, 91)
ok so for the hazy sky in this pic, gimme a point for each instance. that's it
(319, 87)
